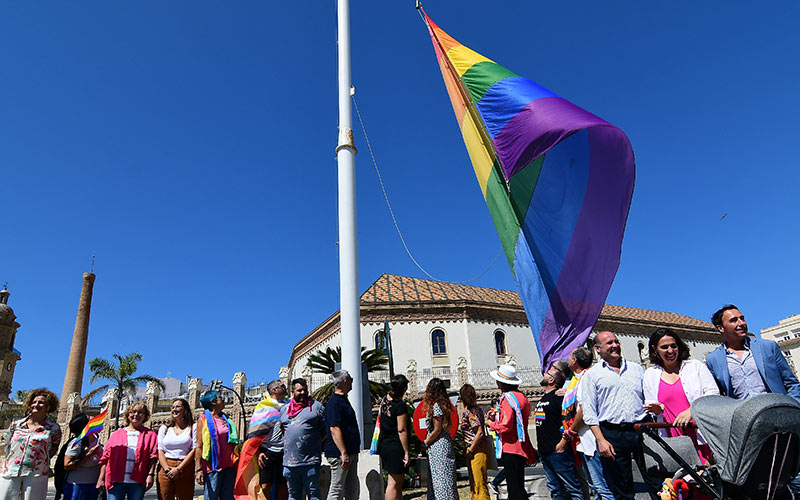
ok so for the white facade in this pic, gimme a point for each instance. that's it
(470, 341)
(786, 329)
(458, 332)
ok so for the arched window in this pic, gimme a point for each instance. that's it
(438, 345)
(380, 341)
(500, 343)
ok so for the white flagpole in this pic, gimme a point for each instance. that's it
(348, 245)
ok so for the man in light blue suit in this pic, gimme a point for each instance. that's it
(745, 366)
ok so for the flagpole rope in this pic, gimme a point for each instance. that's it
(391, 210)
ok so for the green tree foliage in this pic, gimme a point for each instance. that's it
(120, 375)
(324, 362)
(20, 395)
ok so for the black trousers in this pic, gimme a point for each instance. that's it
(515, 476)
(618, 471)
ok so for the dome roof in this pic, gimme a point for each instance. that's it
(6, 313)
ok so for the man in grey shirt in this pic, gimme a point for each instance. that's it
(613, 400)
(303, 424)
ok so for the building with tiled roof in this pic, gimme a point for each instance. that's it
(452, 331)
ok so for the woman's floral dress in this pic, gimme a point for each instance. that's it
(442, 458)
(28, 452)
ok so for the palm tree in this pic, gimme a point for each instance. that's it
(324, 362)
(120, 375)
(20, 395)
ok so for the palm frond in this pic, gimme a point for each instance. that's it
(94, 392)
(128, 364)
(323, 393)
(149, 378)
(102, 369)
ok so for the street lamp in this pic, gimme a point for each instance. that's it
(216, 385)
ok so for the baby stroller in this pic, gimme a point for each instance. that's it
(756, 446)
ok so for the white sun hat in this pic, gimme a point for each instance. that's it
(506, 374)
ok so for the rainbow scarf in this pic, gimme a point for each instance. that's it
(94, 425)
(513, 402)
(558, 182)
(211, 439)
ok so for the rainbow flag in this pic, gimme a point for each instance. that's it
(558, 182)
(266, 415)
(94, 425)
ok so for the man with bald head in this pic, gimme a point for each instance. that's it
(612, 398)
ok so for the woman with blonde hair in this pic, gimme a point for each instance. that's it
(176, 442)
(31, 442)
(130, 457)
(441, 452)
(472, 426)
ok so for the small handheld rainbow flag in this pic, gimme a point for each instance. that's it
(94, 425)
(376, 435)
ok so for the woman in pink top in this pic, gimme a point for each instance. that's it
(673, 383)
(130, 457)
(216, 453)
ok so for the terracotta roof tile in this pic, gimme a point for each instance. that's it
(393, 289)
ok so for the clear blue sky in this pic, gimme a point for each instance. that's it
(190, 146)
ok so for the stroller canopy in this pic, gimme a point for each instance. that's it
(736, 429)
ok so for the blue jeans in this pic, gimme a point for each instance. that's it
(305, 477)
(561, 477)
(82, 491)
(133, 491)
(219, 485)
(598, 481)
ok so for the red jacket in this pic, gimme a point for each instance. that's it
(505, 424)
(115, 456)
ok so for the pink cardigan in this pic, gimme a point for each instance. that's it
(115, 456)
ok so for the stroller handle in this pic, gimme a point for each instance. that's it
(663, 425)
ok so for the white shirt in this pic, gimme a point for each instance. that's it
(696, 380)
(133, 441)
(587, 444)
(608, 396)
(695, 377)
(176, 446)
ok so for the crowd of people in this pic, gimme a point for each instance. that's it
(584, 425)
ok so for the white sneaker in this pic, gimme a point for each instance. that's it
(493, 489)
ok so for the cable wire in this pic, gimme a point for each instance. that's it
(391, 210)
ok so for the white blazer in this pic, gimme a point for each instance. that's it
(696, 380)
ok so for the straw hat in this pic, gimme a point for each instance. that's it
(506, 374)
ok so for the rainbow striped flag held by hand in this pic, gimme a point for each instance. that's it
(94, 425)
(558, 182)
